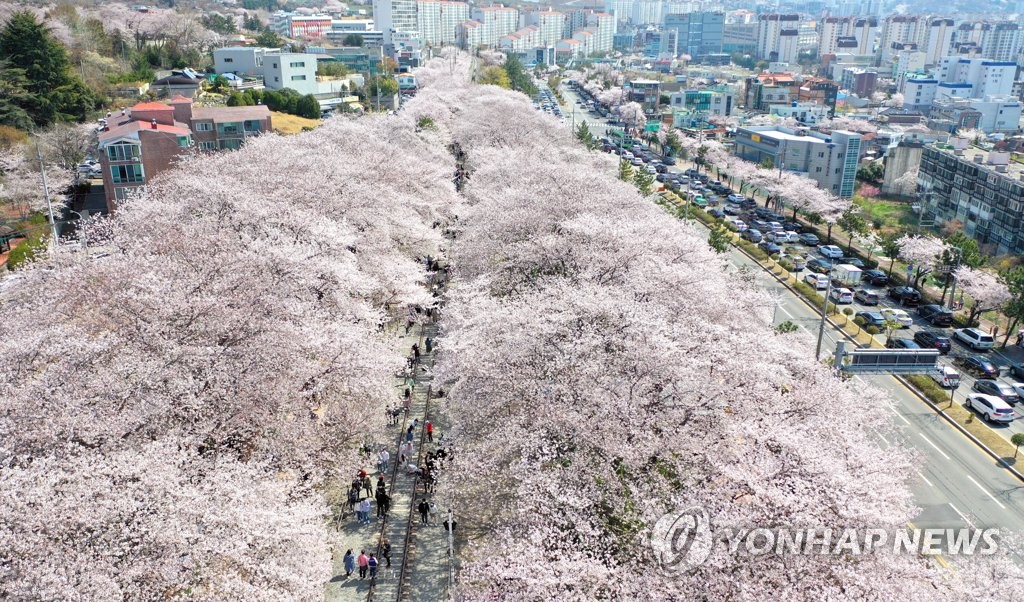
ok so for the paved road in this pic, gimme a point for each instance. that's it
(955, 483)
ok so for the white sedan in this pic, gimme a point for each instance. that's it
(899, 316)
(830, 251)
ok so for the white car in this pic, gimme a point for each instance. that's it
(830, 251)
(818, 281)
(841, 295)
(974, 338)
(947, 377)
(990, 407)
(1018, 388)
(899, 316)
(792, 237)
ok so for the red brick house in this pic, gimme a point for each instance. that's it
(144, 140)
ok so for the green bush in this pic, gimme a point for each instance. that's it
(960, 321)
(809, 293)
(927, 386)
(872, 329)
(28, 250)
(752, 250)
(785, 265)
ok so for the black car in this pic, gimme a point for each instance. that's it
(669, 160)
(716, 212)
(752, 235)
(905, 295)
(936, 315)
(866, 297)
(792, 227)
(978, 366)
(937, 340)
(994, 387)
(876, 277)
(902, 344)
(871, 318)
(661, 168)
(768, 247)
(819, 265)
(856, 262)
(809, 239)
(691, 172)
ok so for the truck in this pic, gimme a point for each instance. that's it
(846, 275)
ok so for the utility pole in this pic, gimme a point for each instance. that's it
(46, 194)
(824, 313)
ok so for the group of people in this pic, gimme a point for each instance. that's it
(367, 564)
(361, 505)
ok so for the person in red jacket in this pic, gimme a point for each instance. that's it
(430, 431)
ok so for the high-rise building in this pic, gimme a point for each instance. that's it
(1001, 41)
(549, 23)
(698, 34)
(621, 9)
(438, 20)
(395, 16)
(496, 21)
(897, 32)
(830, 29)
(939, 40)
(770, 28)
(646, 11)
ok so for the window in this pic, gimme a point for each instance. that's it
(184, 141)
(821, 155)
(207, 146)
(122, 174)
(817, 170)
(123, 151)
(253, 125)
(229, 129)
(231, 144)
(274, 65)
(277, 79)
(204, 126)
(296, 78)
(299, 64)
(122, 193)
(229, 60)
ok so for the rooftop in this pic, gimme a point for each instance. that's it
(989, 158)
(128, 126)
(229, 114)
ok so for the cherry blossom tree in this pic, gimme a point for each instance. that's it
(922, 253)
(632, 114)
(596, 381)
(986, 289)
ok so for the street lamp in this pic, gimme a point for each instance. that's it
(82, 217)
(46, 194)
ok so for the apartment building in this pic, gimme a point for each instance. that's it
(767, 89)
(1002, 41)
(778, 37)
(438, 20)
(240, 60)
(300, 26)
(145, 140)
(395, 17)
(495, 21)
(807, 113)
(549, 23)
(939, 40)
(706, 103)
(831, 160)
(982, 189)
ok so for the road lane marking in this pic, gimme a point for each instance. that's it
(998, 503)
(930, 484)
(962, 515)
(877, 432)
(935, 446)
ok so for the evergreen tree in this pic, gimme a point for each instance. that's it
(625, 171)
(308, 106)
(584, 135)
(644, 181)
(53, 91)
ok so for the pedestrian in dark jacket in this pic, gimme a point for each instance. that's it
(385, 551)
(424, 509)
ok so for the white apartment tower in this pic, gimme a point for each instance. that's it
(497, 21)
(1001, 41)
(897, 32)
(438, 20)
(940, 40)
(549, 23)
(395, 16)
(770, 33)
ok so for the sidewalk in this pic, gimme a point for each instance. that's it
(401, 525)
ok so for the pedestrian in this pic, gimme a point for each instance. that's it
(433, 512)
(363, 563)
(381, 485)
(383, 459)
(430, 431)
(424, 509)
(408, 325)
(1020, 337)
(373, 563)
(430, 344)
(450, 526)
(385, 551)
(353, 496)
(381, 513)
(408, 406)
(384, 505)
(416, 351)
(409, 434)
(364, 506)
(350, 563)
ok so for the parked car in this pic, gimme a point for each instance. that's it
(905, 295)
(977, 365)
(819, 265)
(899, 316)
(752, 235)
(991, 408)
(830, 251)
(716, 212)
(769, 247)
(731, 209)
(937, 340)
(736, 198)
(990, 386)
(660, 168)
(792, 236)
(854, 261)
(668, 160)
(811, 240)
(866, 297)
(947, 377)
(841, 296)
(871, 318)
(818, 281)
(876, 277)
(777, 237)
(936, 315)
(902, 344)
(974, 338)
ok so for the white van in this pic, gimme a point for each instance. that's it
(947, 377)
